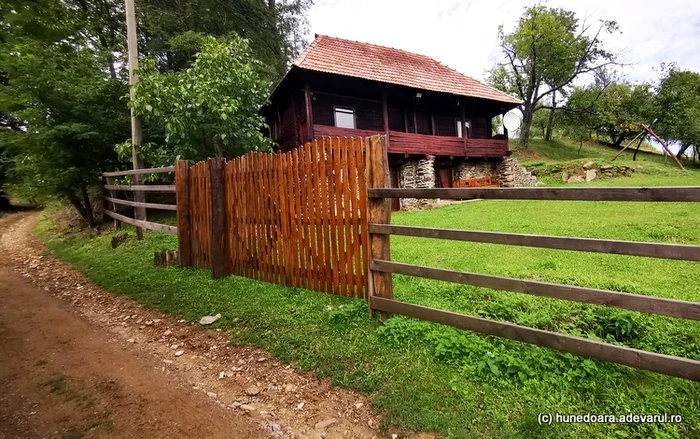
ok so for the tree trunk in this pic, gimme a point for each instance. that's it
(682, 150)
(550, 120)
(619, 140)
(525, 125)
(88, 207)
(75, 202)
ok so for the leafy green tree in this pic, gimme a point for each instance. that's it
(276, 30)
(546, 52)
(64, 94)
(616, 110)
(209, 108)
(679, 108)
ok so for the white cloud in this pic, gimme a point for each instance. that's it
(463, 34)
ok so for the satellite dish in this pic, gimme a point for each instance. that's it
(511, 121)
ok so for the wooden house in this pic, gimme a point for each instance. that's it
(438, 121)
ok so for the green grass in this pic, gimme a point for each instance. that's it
(651, 168)
(426, 377)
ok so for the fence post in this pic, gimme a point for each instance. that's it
(379, 212)
(113, 194)
(182, 200)
(217, 171)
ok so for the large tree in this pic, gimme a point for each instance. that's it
(616, 110)
(62, 91)
(209, 109)
(546, 52)
(679, 108)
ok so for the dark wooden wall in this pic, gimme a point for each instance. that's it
(368, 114)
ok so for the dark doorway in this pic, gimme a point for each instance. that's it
(444, 177)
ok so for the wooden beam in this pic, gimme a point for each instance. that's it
(140, 171)
(182, 198)
(218, 257)
(630, 248)
(379, 211)
(433, 126)
(632, 302)
(309, 112)
(385, 117)
(660, 140)
(659, 193)
(143, 224)
(464, 127)
(144, 205)
(639, 359)
(144, 188)
(295, 121)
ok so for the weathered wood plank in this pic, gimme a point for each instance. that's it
(218, 254)
(632, 302)
(659, 193)
(379, 212)
(639, 359)
(140, 171)
(364, 232)
(630, 248)
(182, 199)
(143, 224)
(146, 205)
(141, 187)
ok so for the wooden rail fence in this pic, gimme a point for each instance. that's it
(112, 200)
(296, 219)
(381, 267)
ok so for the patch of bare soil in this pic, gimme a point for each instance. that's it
(77, 361)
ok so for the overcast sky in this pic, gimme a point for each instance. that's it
(463, 34)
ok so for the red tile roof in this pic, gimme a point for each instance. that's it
(393, 66)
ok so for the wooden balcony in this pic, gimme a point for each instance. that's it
(424, 144)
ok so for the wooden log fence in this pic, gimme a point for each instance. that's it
(112, 199)
(381, 267)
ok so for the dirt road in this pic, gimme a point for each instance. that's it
(76, 361)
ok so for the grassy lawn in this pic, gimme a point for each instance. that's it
(432, 378)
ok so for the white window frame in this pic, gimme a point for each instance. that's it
(345, 110)
(468, 123)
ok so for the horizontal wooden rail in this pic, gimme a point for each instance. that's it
(630, 248)
(143, 224)
(651, 361)
(141, 187)
(140, 171)
(633, 302)
(138, 204)
(666, 193)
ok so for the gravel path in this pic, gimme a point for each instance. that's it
(77, 361)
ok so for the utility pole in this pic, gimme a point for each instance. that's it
(133, 48)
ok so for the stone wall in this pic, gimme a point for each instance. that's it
(420, 173)
(513, 174)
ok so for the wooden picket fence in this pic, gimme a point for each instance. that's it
(297, 219)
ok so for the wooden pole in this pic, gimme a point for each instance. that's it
(217, 170)
(113, 194)
(650, 131)
(133, 49)
(182, 197)
(627, 146)
(309, 112)
(463, 123)
(385, 116)
(379, 212)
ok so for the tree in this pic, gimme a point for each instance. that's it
(209, 108)
(616, 110)
(546, 52)
(62, 91)
(679, 108)
(275, 30)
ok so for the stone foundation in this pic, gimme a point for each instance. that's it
(417, 174)
(420, 173)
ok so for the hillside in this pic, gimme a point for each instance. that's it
(550, 160)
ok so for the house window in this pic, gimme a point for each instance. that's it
(344, 117)
(458, 123)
